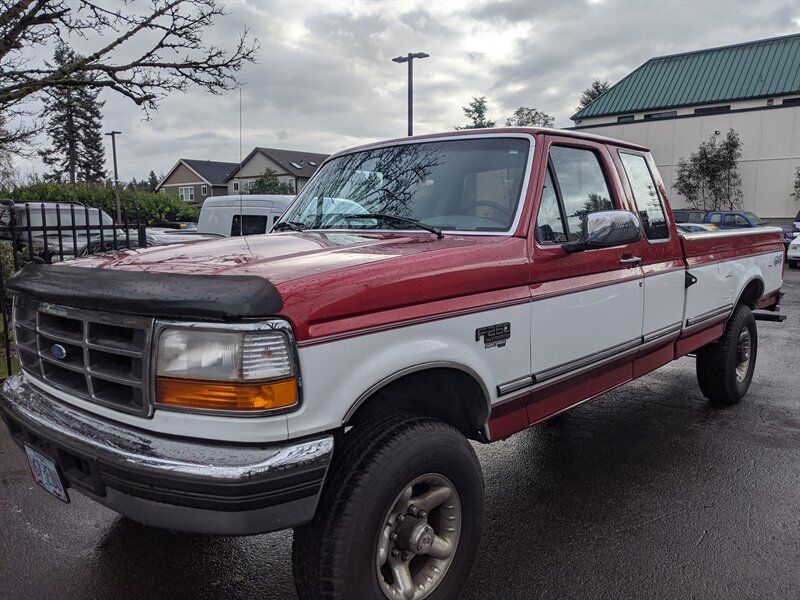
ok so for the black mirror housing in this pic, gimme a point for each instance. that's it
(606, 229)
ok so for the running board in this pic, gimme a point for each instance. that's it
(765, 315)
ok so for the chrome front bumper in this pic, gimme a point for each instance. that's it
(167, 482)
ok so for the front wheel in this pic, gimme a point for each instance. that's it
(725, 367)
(400, 516)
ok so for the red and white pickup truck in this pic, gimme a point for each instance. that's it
(419, 293)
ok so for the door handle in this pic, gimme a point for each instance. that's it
(630, 260)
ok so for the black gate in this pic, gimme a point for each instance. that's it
(48, 232)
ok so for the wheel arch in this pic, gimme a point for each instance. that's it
(454, 393)
(751, 292)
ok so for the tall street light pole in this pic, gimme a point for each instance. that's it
(114, 135)
(409, 58)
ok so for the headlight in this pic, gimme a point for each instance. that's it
(213, 368)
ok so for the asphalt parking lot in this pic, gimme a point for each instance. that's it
(646, 492)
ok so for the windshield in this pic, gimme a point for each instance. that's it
(754, 219)
(459, 185)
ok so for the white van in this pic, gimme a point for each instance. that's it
(248, 214)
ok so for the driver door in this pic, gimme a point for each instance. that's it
(588, 306)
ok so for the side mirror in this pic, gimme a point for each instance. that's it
(606, 229)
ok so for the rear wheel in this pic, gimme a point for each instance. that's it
(400, 517)
(725, 367)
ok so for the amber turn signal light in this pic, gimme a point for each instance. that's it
(234, 396)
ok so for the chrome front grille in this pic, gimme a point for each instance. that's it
(96, 356)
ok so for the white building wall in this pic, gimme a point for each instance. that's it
(770, 151)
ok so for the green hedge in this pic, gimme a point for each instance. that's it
(154, 208)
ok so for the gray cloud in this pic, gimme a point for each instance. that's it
(325, 80)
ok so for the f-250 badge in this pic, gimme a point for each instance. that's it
(494, 336)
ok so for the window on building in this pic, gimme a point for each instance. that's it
(292, 183)
(712, 110)
(645, 195)
(625, 119)
(248, 224)
(186, 193)
(204, 190)
(791, 101)
(235, 186)
(667, 114)
(580, 187)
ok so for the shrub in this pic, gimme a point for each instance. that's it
(152, 207)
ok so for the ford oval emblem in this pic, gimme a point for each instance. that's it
(58, 351)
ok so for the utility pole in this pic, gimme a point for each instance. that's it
(114, 135)
(409, 58)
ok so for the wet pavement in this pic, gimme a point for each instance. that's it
(646, 492)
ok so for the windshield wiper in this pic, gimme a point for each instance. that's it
(284, 225)
(405, 220)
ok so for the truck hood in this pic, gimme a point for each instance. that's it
(278, 257)
(334, 282)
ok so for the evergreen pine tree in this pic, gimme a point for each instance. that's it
(74, 125)
(92, 160)
(152, 182)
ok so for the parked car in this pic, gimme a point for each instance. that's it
(72, 229)
(796, 225)
(688, 215)
(793, 253)
(329, 377)
(738, 219)
(695, 227)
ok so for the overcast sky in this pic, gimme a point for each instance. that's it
(324, 79)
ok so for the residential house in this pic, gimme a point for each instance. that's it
(195, 180)
(672, 103)
(292, 167)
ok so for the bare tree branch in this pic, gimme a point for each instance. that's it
(175, 59)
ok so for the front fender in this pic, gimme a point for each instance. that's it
(338, 375)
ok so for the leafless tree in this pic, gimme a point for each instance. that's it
(143, 50)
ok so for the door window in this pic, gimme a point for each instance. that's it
(580, 188)
(645, 195)
(549, 224)
(735, 221)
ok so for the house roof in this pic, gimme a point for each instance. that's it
(295, 162)
(215, 172)
(758, 69)
(211, 171)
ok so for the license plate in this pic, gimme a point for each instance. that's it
(45, 473)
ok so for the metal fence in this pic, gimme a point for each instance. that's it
(48, 232)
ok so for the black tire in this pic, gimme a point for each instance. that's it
(794, 264)
(333, 556)
(717, 362)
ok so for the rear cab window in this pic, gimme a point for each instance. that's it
(248, 224)
(645, 196)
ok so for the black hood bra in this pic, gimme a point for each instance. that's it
(165, 295)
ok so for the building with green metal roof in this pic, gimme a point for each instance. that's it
(672, 103)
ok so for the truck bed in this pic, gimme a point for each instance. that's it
(726, 264)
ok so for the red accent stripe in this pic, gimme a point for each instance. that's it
(769, 300)
(408, 322)
(694, 341)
